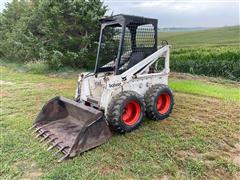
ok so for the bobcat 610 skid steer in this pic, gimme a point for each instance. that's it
(129, 80)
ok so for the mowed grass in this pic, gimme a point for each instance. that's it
(206, 89)
(199, 140)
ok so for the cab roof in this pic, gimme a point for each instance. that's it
(128, 19)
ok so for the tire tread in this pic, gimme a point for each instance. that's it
(113, 113)
(149, 99)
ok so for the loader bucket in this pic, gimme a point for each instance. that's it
(71, 127)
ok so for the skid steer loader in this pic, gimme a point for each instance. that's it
(130, 78)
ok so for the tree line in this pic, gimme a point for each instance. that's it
(60, 33)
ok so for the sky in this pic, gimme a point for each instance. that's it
(177, 13)
(2, 4)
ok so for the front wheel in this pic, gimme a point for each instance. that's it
(159, 102)
(126, 112)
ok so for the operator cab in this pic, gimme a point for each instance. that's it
(124, 41)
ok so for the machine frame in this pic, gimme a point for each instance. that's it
(98, 90)
(116, 95)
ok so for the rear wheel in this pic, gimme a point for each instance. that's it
(159, 102)
(126, 112)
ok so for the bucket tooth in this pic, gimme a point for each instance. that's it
(43, 132)
(47, 136)
(63, 158)
(37, 136)
(36, 130)
(40, 134)
(54, 145)
(49, 141)
(35, 125)
(60, 150)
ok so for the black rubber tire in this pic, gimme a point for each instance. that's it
(151, 97)
(116, 109)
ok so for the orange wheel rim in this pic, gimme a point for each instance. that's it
(163, 103)
(131, 114)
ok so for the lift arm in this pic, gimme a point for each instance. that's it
(142, 66)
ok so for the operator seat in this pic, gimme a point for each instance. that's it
(135, 58)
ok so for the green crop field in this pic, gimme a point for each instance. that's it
(211, 37)
(212, 52)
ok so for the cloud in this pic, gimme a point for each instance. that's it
(181, 13)
(191, 6)
(170, 6)
(177, 13)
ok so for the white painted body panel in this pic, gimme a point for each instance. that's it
(104, 87)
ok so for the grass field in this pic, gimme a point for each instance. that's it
(201, 139)
(211, 37)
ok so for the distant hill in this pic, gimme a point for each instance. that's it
(180, 29)
(208, 37)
